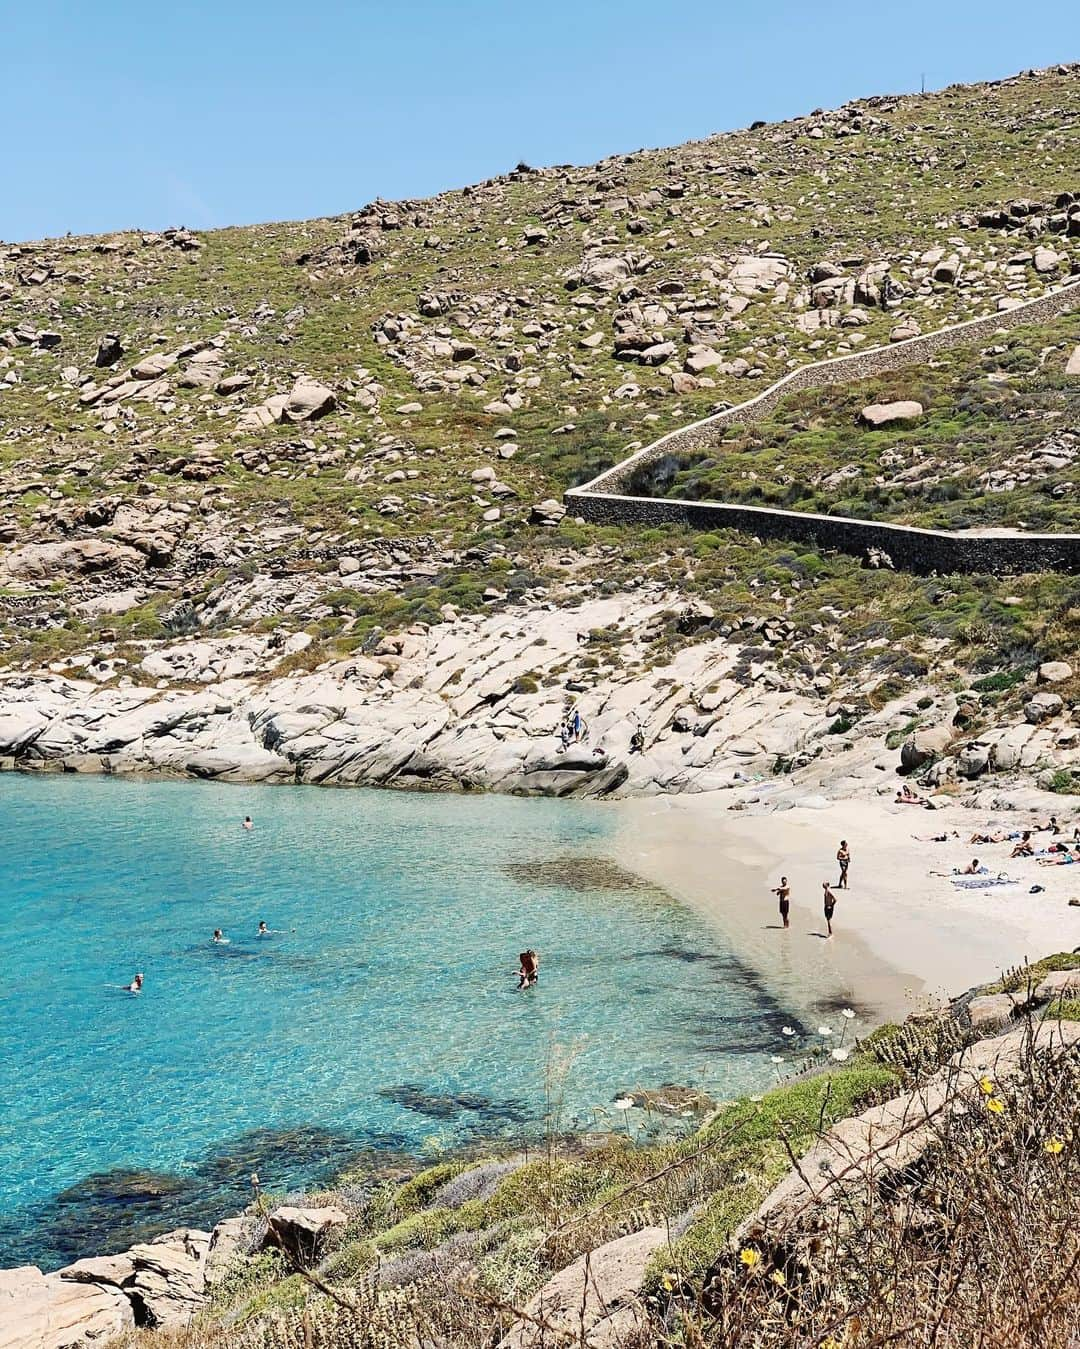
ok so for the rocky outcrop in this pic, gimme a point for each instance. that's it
(593, 1301)
(301, 1232)
(46, 1311)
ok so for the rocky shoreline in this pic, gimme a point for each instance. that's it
(477, 702)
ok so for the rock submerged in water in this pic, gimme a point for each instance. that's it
(670, 1099)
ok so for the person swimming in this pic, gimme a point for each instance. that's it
(263, 931)
(219, 938)
(136, 985)
(249, 823)
(529, 969)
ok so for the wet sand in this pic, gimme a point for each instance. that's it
(903, 937)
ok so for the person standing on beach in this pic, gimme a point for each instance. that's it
(843, 856)
(783, 894)
(830, 905)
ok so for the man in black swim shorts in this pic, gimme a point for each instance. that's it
(783, 894)
(830, 905)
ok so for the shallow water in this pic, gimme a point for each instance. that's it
(381, 1015)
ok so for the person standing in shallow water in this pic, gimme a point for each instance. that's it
(843, 856)
(783, 895)
(529, 969)
(830, 905)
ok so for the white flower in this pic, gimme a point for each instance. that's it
(755, 1098)
(824, 1030)
(623, 1103)
(841, 1054)
(848, 1014)
(787, 1030)
(777, 1058)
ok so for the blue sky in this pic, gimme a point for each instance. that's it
(213, 112)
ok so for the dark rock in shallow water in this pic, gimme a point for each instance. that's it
(576, 873)
(670, 1099)
(450, 1105)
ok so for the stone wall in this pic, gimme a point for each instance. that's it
(920, 550)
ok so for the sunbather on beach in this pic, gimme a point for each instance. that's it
(973, 868)
(999, 837)
(1060, 859)
(1024, 847)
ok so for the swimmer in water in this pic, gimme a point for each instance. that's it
(219, 938)
(249, 823)
(263, 931)
(136, 984)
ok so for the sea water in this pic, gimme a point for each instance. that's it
(381, 1016)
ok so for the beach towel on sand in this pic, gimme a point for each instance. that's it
(981, 882)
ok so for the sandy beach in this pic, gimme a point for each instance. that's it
(904, 934)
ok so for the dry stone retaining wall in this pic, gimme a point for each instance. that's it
(921, 550)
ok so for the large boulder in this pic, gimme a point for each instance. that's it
(1072, 365)
(45, 1311)
(924, 745)
(74, 557)
(1041, 707)
(593, 1301)
(877, 415)
(300, 1232)
(308, 401)
(1055, 672)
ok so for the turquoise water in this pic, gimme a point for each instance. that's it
(380, 1017)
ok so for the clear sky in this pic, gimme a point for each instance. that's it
(123, 113)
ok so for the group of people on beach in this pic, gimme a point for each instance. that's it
(783, 890)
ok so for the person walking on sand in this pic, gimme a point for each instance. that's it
(830, 905)
(783, 894)
(843, 856)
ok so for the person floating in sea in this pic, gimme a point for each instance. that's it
(219, 938)
(843, 856)
(249, 823)
(783, 895)
(263, 931)
(136, 984)
(830, 904)
(529, 969)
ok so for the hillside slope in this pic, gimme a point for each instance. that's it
(335, 429)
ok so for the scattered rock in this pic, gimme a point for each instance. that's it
(878, 415)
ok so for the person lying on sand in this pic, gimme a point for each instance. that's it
(529, 969)
(1061, 859)
(999, 836)
(973, 868)
(905, 795)
(938, 838)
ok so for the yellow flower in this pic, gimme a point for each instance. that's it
(1053, 1146)
(995, 1105)
(986, 1086)
(750, 1258)
(777, 1276)
(830, 1343)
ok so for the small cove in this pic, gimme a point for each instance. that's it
(379, 1019)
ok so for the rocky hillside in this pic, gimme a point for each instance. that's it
(330, 442)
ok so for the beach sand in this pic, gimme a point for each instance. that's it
(903, 937)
